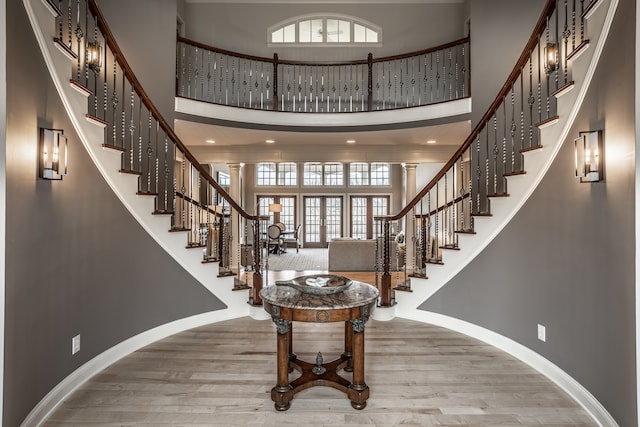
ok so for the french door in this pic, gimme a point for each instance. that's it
(363, 211)
(322, 220)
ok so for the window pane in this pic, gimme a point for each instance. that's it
(345, 31)
(333, 174)
(287, 174)
(359, 33)
(332, 30)
(372, 36)
(277, 36)
(316, 30)
(380, 174)
(304, 31)
(312, 174)
(359, 174)
(266, 174)
(290, 33)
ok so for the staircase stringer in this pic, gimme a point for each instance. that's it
(108, 163)
(520, 187)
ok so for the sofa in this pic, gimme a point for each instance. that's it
(346, 254)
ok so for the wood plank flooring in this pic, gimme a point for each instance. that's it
(222, 374)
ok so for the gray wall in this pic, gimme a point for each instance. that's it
(567, 259)
(243, 27)
(499, 31)
(146, 32)
(76, 261)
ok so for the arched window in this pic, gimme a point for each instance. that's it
(324, 30)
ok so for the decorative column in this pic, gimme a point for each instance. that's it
(410, 221)
(234, 192)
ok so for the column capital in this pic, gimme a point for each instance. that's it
(410, 165)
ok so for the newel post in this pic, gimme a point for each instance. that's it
(254, 296)
(276, 105)
(370, 82)
(385, 286)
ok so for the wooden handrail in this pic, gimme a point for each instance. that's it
(511, 80)
(135, 84)
(335, 63)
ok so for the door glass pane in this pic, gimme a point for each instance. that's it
(359, 217)
(287, 216)
(380, 208)
(333, 217)
(312, 219)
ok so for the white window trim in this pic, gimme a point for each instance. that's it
(324, 16)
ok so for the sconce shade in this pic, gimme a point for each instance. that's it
(94, 56)
(275, 207)
(550, 57)
(53, 155)
(588, 156)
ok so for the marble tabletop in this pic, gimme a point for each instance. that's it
(356, 295)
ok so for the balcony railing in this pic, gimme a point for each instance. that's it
(430, 76)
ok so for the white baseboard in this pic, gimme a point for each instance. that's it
(78, 377)
(563, 380)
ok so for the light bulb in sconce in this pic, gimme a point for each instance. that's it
(53, 154)
(94, 56)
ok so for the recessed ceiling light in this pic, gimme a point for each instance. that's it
(269, 141)
(210, 141)
(351, 141)
(431, 141)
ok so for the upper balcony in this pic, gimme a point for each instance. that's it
(411, 88)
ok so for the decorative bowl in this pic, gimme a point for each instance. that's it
(318, 284)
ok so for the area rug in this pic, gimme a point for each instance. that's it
(306, 259)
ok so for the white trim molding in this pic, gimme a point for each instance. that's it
(563, 380)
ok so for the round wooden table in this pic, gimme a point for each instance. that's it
(352, 306)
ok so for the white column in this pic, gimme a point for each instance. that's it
(235, 193)
(410, 192)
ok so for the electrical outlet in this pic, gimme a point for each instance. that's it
(75, 344)
(542, 333)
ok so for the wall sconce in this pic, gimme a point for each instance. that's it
(275, 207)
(94, 56)
(588, 156)
(53, 156)
(550, 57)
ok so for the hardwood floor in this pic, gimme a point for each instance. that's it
(222, 374)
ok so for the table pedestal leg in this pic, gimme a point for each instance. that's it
(358, 391)
(348, 346)
(282, 393)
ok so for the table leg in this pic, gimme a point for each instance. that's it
(348, 345)
(282, 393)
(358, 391)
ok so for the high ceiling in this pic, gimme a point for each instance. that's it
(234, 144)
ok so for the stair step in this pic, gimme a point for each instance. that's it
(129, 171)
(578, 50)
(467, 231)
(499, 194)
(146, 193)
(54, 8)
(564, 89)
(450, 246)
(159, 212)
(209, 261)
(532, 148)
(80, 88)
(482, 214)
(95, 120)
(548, 122)
(113, 147)
(195, 246)
(437, 261)
(62, 46)
(178, 229)
(514, 173)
